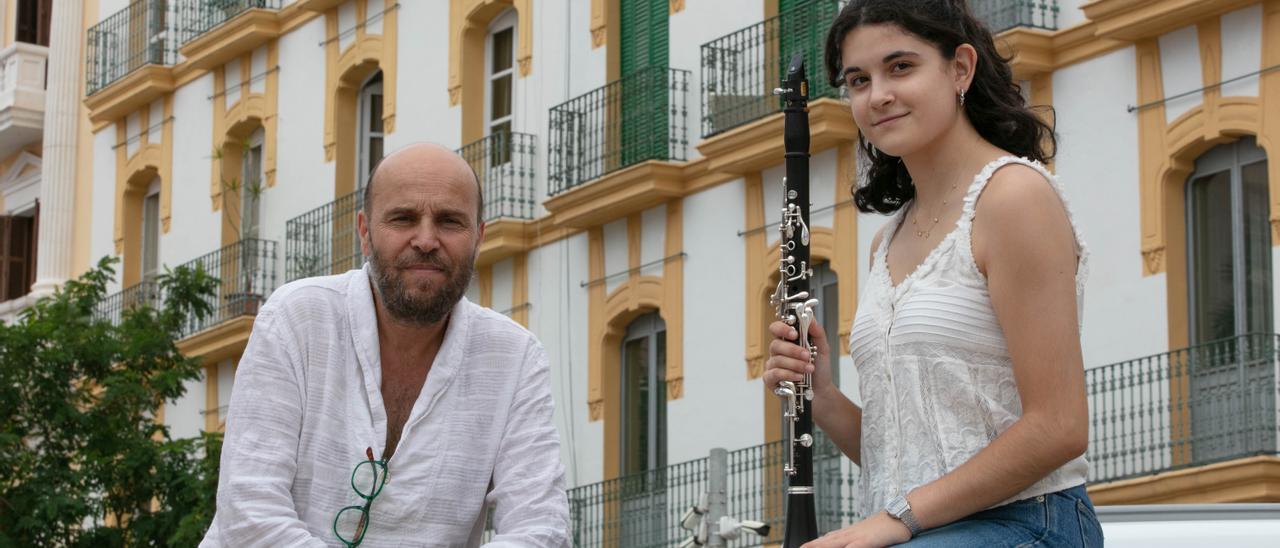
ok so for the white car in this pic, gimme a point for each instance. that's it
(1191, 525)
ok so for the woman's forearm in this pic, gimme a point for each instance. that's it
(1025, 453)
(841, 420)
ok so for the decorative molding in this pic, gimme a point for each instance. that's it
(675, 6)
(758, 145)
(619, 194)
(1134, 20)
(600, 22)
(223, 341)
(345, 70)
(126, 95)
(520, 289)
(1252, 479)
(242, 34)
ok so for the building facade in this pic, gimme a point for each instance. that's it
(631, 156)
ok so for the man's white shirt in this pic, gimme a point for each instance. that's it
(307, 403)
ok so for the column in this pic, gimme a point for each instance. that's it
(61, 118)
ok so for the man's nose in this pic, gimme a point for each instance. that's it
(426, 238)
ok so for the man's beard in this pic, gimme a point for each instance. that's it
(414, 307)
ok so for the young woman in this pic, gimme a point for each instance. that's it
(967, 337)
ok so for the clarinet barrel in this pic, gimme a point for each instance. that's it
(794, 305)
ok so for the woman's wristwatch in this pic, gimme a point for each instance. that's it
(900, 510)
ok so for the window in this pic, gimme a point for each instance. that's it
(33, 21)
(252, 187)
(17, 253)
(369, 128)
(1230, 286)
(500, 87)
(825, 286)
(644, 395)
(1229, 243)
(151, 235)
(644, 431)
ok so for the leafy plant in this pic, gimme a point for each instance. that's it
(83, 460)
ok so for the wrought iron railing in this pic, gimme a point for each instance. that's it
(644, 510)
(1189, 407)
(324, 241)
(196, 17)
(246, 273)
(1002, 15)
(741, 69)
(639, 117)
(143, 33)
(113, 307)
(504, 163)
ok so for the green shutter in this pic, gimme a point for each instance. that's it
(644, 61)
(802, 28)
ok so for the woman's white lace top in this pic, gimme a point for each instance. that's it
(934, 371)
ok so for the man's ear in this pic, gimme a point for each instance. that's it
(965, 65)
(362, 228)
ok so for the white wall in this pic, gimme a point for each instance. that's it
(720, 407)
(1241, 50)
(1180, 71)
(1070, 14)
(304, 180)
(195, 228)
(422, 81)
(559, 318)
(102, 228)
(1125, 312)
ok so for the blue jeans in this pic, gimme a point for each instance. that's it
(1064, 518)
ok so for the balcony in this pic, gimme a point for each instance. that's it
(504, 164)
(1192, 407)
(324, 241)
(741, 69)
(139, 35)
(216, 31)
(22, 86)
(640, 117)
(1002, 15)
(644, 509)
(247, 275)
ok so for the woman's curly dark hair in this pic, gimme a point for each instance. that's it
(993, 102)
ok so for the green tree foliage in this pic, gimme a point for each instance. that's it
(83, 461)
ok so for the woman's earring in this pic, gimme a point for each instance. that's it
(962, 97)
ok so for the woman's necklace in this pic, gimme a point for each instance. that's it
(915, 216)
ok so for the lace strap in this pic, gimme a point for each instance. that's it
(980, 182)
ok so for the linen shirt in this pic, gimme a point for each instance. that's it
(307, 403)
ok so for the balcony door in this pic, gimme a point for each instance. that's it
(644, 432)
(1230, 283)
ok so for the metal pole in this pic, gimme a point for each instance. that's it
(717, 500)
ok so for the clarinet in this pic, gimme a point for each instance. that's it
(795, 307)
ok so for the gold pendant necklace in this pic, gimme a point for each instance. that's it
(915, 217)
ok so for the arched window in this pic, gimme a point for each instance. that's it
(1230, 284)
(150, 256)
(368, 129)
(254, 182)
(644, 395)
(500, 82)
(1229, 243)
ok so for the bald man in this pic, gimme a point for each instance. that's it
(381, 408)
